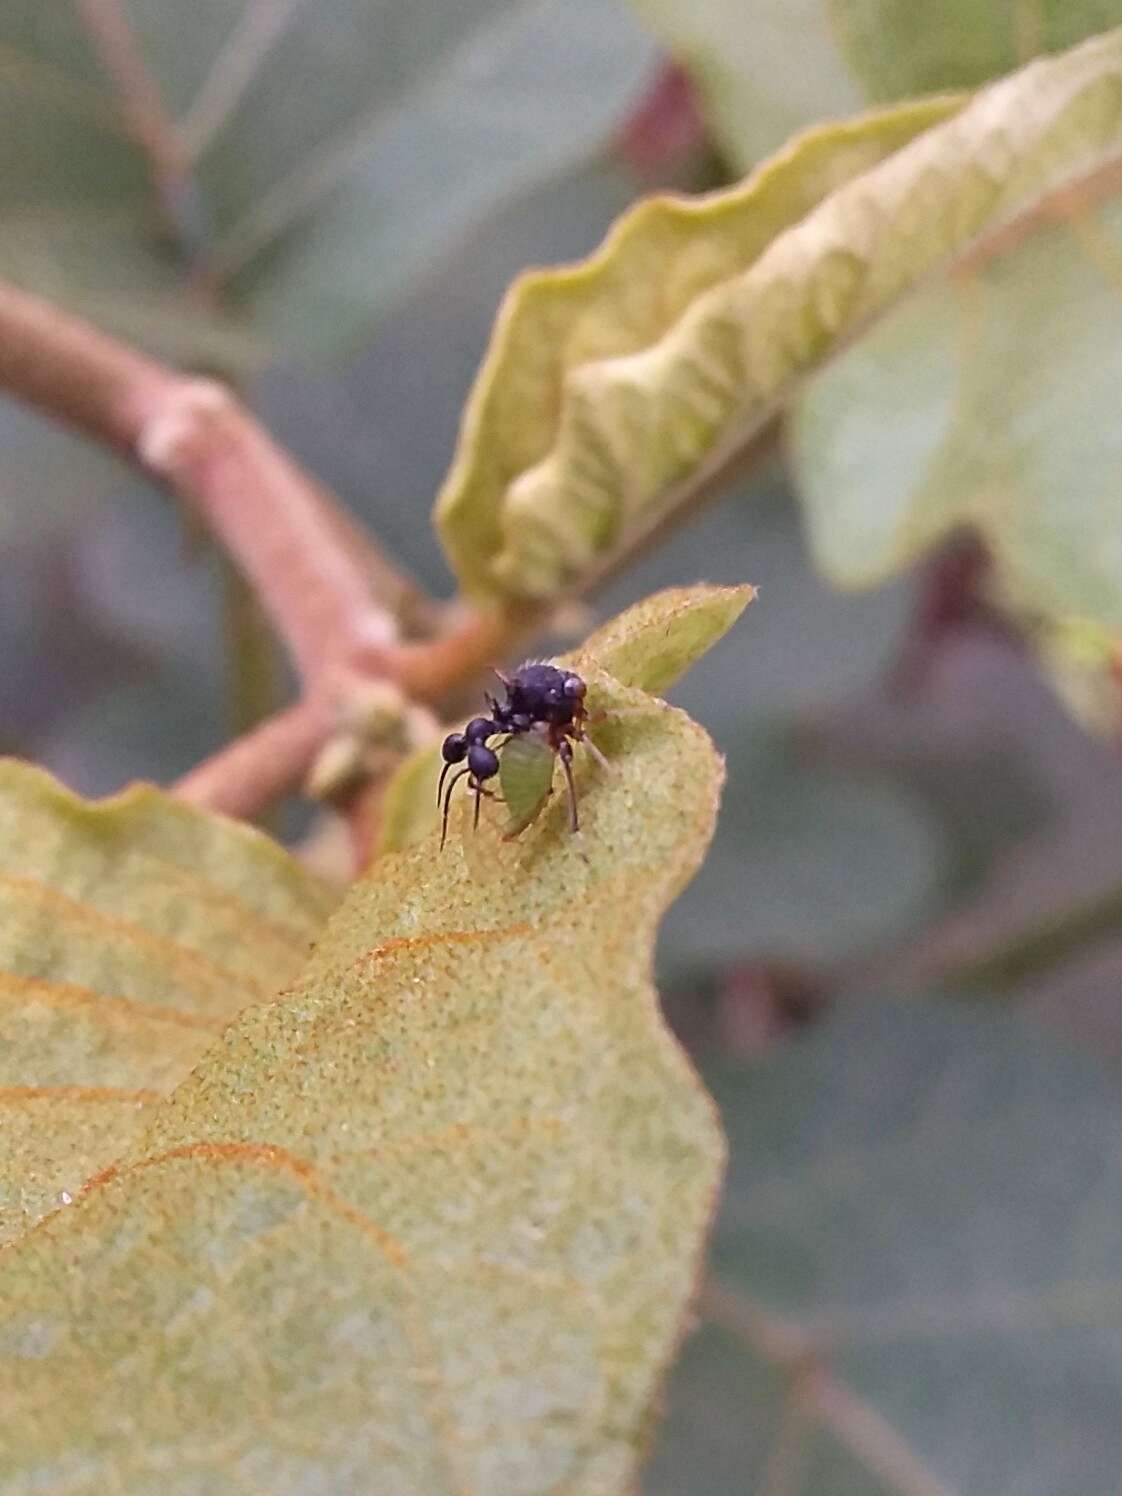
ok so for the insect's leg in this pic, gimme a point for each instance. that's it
(447, 802)
(565, 754)
(440, 786)
(479, 793)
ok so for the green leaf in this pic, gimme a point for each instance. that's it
(331, 152)
(427, 1224)
(131, 931)
(632, 438)
(526, 767)
(544, 491)
(647, 646)
(655, 642)
(932, 1196)
(766, 71)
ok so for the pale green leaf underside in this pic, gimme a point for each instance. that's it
(990, 400)
(624, 438)
(557, 328)
(131, 931)
(647, 646)
(426, 1227)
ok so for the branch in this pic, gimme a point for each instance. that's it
(281, 529)
(820, 1393)
(148, 122)
(337, 603)
(257, 769)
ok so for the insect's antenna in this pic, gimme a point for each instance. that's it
(447, 802)
(565, 754)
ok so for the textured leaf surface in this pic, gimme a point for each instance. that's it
(934, 1196)
(632, 430)
(773, 67)
(647, 646)
(429, 1224)
(560, 329)
(330, 151)
(131, 931)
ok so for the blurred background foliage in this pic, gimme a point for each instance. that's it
(927, 1178)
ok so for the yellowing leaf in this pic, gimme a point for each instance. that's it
(429, 1224)
(629, 427)
(648, 645)
(131, 931)
(557, 327)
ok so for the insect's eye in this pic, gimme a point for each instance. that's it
(454, 748)
(575, 688)
(483, 762)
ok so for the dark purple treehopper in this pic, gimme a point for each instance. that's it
(538, 723)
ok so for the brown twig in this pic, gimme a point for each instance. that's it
(327, 589)
(819, 1393)
(257, 769)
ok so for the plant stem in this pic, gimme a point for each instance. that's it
(821, 1395)
(258, 768)
(150, 125)
(329, 592)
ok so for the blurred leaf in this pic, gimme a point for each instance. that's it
(764, 70)
(430, 1222)
(989, 399)
(647, 646)
(934, 1196)
(47, 476)
(768, 69)
(895, 50)
(131, 931)
(328, 152)
(544, 487)
(810, 864)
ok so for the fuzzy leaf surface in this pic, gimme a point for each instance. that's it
(131, 931)
(427, 1225)
(647, 646)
